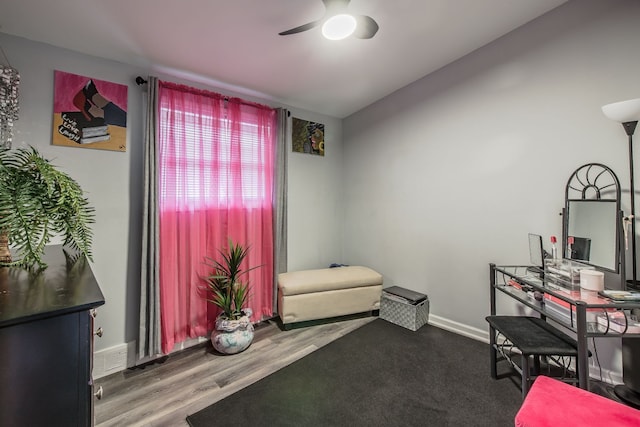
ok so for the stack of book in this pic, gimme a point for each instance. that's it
(617, 321)
(78, 129)
(621, 295)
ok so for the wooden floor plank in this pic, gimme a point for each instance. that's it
(163, 394)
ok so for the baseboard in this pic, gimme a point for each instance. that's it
(113, 359)
(459, 328)
(607, 375)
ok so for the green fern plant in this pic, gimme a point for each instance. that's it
(37, 202)
(225, 288)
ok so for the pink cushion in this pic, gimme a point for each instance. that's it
(553, 403)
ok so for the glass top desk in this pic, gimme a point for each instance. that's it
(585, 313)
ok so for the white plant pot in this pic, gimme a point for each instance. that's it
(233, 336)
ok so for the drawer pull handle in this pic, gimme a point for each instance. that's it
(98, 394)
(99, 331)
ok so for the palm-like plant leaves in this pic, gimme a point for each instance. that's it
(227, 290)
(38, 201)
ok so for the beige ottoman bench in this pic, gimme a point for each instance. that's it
(329, 292)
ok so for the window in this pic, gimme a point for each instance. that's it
(192, 158)
(216, 178)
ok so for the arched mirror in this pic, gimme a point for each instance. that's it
(592, 219)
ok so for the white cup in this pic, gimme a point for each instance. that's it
(592, 280)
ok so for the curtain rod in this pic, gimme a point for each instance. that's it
(141, 81)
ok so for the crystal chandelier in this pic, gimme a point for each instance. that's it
(9, 81)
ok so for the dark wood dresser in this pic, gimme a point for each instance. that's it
(46, 343)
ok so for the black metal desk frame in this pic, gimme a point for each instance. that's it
(499, 276)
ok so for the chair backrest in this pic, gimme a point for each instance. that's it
(581, 249)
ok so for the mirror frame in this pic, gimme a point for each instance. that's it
(597, 183)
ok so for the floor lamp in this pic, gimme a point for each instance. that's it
(628, 113)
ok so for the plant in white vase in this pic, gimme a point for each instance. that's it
(233, 331)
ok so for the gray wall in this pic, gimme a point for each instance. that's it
(451, 172)
(113, 181)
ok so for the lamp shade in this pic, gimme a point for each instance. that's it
(624, 111)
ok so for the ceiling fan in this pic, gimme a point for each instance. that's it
(364, 27)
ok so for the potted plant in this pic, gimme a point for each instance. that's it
(37, 201)
(233, 330)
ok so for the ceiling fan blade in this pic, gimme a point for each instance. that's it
(333, 6)
(301, 28)
(366, 27)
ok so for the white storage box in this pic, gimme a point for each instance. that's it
(402, 313)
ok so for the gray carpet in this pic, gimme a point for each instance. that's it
(378, 375)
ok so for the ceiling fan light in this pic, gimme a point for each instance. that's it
(339, 27)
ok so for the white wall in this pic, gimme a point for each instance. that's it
(113, 181)
(451, 172)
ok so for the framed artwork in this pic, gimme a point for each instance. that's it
(307, 137)
(89, 113)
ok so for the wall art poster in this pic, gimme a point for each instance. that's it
(89, 113)
(307, 137)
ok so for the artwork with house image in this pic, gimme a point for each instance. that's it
(89, 113)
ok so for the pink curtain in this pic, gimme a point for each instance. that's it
(216, 180)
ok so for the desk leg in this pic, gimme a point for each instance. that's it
(583, 348)
(492, 333)
(525, 375)
(492, 288)
(493, 356)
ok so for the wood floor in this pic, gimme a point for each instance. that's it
(163, 394)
